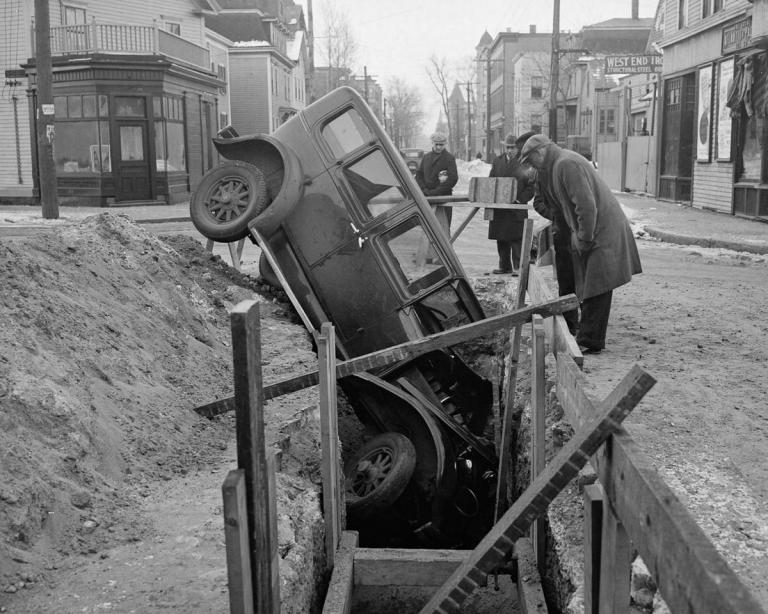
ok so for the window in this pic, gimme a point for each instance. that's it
(170, 144)
(82, 144)
(346, 133)
(682, 14)
(74, 16)
(173, 27)
(709, 7)
(607, 124)
(75, 33)
(374, 184)
(536, 122)
(537, 82)
(407, 243)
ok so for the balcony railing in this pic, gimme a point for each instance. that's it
(97, 37)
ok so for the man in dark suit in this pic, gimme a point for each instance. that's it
(436, 177)
(505, 225)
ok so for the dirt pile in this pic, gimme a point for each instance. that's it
(110, 337)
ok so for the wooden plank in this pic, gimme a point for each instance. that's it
(560, 338)
(329, 440)
(252, 457)
(461, 201)
(405, 567)
(338, 599)
(544, 245)
(464, 224)
(538, 408)
(593, 530)
(237, 543)
(502, 491)
(492, 549)
(673, 546)
(234, 255)
(615, 563)
(404, 351)
(492, 189)
(530, 593)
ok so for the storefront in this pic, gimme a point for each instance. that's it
(131, 130)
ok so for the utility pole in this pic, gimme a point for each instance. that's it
(554, 72)
(469, 122)
(44, 112)
(365, 84)
(488, 106)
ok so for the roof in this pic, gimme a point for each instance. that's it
(620, 35)
(485, 41)
(622, 23)
(293, 47)
(238, 26)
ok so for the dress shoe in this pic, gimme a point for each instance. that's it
(501, 271)
(588, 350)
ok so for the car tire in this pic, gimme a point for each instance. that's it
(227, 199)
(378, 473)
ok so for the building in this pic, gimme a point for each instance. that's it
(326, 79)
(134, 101)
(712, 152)
(457, 121)
(267, 61)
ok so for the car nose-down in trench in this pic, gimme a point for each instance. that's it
(342, 223)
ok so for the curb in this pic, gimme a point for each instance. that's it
(738, 246)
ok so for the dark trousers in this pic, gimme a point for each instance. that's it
(509, 254)
(595, 311)
(566, 282)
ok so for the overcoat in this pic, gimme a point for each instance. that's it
(427, 174)
(604, 247)
(507, 225)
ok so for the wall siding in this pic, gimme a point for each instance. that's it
(712, 186)
(249, 95)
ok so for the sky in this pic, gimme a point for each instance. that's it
(396, 38)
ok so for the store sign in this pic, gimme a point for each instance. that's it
(631, 63)
(737, 35)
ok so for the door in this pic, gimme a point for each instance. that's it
(132, 168)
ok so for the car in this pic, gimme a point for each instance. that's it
(412, 156)
(342, 223)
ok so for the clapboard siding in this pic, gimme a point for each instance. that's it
(712, 186)
(249, 92)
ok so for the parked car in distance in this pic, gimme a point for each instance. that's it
(412, 156)
(351, 234)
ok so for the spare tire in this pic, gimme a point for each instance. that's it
(378, 473)
(227, 199)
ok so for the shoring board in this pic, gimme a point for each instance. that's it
(556, 329)
(405, 567)
(403, 351)
(338, 599)
(533, 502)
(235, 512)
(691, 573)
(593, 523)
(530, 593)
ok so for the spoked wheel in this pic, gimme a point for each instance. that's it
(378, 473)
(227, 199)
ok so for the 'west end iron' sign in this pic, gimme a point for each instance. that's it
(632, 63)
(736, 36)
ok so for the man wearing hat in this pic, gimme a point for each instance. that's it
(506, 225)
(604, 251)
(436, 177)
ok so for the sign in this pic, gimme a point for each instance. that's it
(724, 121)
(48, 109)
(632, 63)
(736, 36)
(704, 125)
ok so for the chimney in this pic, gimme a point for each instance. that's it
(532, 28)
(635, 9)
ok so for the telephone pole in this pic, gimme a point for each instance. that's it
(46, 130)
(554, 81)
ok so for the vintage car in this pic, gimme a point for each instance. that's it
(347, 229)
(412, 157)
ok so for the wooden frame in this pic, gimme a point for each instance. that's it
(704, 114)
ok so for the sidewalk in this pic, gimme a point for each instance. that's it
(665, 221)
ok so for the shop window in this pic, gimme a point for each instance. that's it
(755, 140)
(170, 144)
(82, 144)
(607, 125)
(130, 106)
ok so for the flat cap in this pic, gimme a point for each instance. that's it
(438, 137)
(523, 138)
(537, 141)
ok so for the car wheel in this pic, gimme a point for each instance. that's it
(228, 197)
(378, 473)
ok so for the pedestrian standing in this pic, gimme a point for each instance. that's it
(505, 226)
(604, 251)
(436, 176)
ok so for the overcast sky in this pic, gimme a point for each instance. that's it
(397, 37)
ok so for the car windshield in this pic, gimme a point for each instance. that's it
(375, 185)
(346, 133)
(418, 265)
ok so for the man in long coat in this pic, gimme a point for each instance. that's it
(436, 176)
(506, 225)
(605, 254)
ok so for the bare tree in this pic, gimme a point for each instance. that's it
(439, 75)
(338, 44)
(406, 113)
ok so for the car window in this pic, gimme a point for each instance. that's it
(417, 263)
(346, 133)
(375, 184)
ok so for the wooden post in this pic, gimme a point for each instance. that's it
(593, 528)
(538, 410)
(329, 439)
(252, 455)
(514, 352)
(615, 564)
(236, 537)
